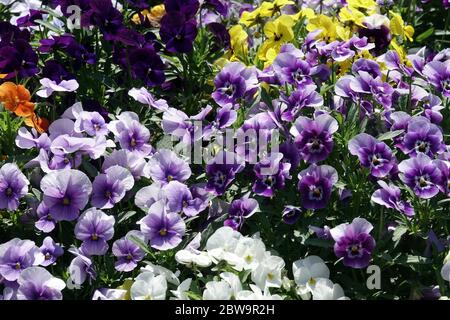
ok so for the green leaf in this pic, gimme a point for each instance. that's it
(141, 244)
(425, 35)
(125, 216)
(318, 243)
(48, 26)
(398, 233)
(390, 135)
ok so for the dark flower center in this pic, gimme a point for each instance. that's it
(108, 194)
(185, 204)
(66, 161)
(316, 193)
(354, 250)
(423, 182)
(423, 146)
(219, 179)
(269, 181)
(9, 192)
(48, 256)
(66, 201)
(94, 237)
(129, 257)
(163, 232)
(315, 144)
(169, 178)
(49, 217)
(376, 160)
(277, 37)
(17, 266)
(133, 142)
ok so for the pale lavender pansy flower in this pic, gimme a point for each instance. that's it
(46, 223)
(13, 186)
(127, 252)
(36, 283)
(354, 243)
(164, 230)
(50, 86)
(51, 251)
(81, 267)
(91, 123)
(94, 228)
(29, 140)
(165, 166)
(65, 193)
(126, 159)
(110, 187)
(438, 74)
(143, 96)
(180, 199)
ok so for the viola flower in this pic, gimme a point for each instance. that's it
(291, 214)
(240, 210)
(126, 159)
(315, 185)
(354, 243)
(143, 96)
(36, 283)
(17, 255)
(46, 223)
(372, 154)
(110, 188)
(30, 140)
(422, 175)
(50, 86)
(181, 199)
(444, 168)
(68, 44)
(91, 123)
(164, 230)
(65, 193)
(221, 171)
(390, 197)
(234, 83)
(13, 186)
(16, 98)
(165, 166)
(94, 228)
(81, 268)
(127, 252)
(187, 7)
(304, 96)
(105, 16)
(178, 33)
(271, 174)
(291, 67)
(314, 138)
(422, 136)
(51, 251)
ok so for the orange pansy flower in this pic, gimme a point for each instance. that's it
(40, 124)
(16, 98)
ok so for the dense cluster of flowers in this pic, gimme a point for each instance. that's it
(192, 149)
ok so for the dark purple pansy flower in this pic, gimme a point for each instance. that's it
(165, 166)
(13, 186)
(240, 210)
(221, 171)
(234, 82)
(188, 8)
(381, 37)
(127, 252)
(372, 154)
(291, 214)
(110, 188)
(315, 186)
(444, 168)
(314, 138)
(68, 44)
(29, 19)
(65, 193)
(438, 74)
(164, 230)
(94, 228)
(271, 174)
(354, 243)
(369, 66)
(105, 16)
(55, 71)
(321, 233)
(390, 197)
(51, 251)
(304, 96)
(17, 255)
(36, 283)
(422, 136)
(290, 67)
(422, 175)
(177, 33)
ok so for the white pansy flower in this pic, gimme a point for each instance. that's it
(327, 290)
(257, 294)
(149, 287)
(268, 273)
(180, 293)
(191, 257)
(307, 271)
(234, 282)
(222, 243)
(217, 290)
(251, 251)
(445, 271)
(109, 294)
(158, 270)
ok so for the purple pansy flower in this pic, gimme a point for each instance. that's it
(304, 96)
(126, 159)
(94, 228)
(36, 283)
(438, 74)
(354, 243)
(240, 210)
(372, 154)
(291, 214)
(143, 96)
(65, 193)
(180, 199)
(46, 223)
(81, 268)
(422, 175)
(166, 166)
(29, 140)
(221, 171)
(50, 86)
(127, 252)
(315, 186)
(314, 138)
(271, 174)
(109, 188)
(422, 136)
(13, 186)
(178, 33)
(51, 251)
(390, 196)
(234, 82)
(16, 255)
(164, 230)
(91, 123)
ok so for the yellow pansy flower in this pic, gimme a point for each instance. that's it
(398, 27)
(252, 18)
(351, 17)
(307, 13)
(366, 7)
(238, 42)
(126, 286)
(154, 15)
(325, 24)
(269, 9)
(277, 32)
